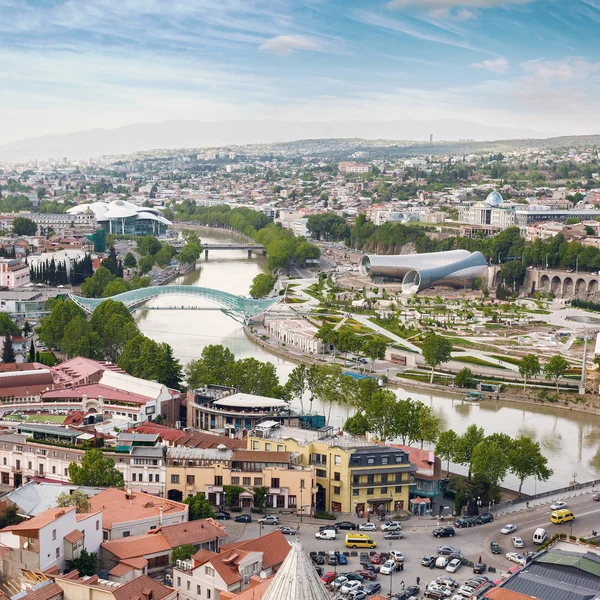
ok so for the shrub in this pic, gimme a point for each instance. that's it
(563, 536)
(593, 543)
(583, 540)
(325, 515)
(235, 509)
(572, 538)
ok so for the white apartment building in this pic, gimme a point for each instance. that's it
(295, 333)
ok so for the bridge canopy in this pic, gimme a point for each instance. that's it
(238, 307)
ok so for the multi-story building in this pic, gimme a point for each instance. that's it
(296, 333)
(50, 539)
(348, 167)
(352, 475)
(284, 482)
(63, 224)
(14, 273)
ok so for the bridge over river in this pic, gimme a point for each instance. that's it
(249, 247)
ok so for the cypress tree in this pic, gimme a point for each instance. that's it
(8, 352)
(31, 352)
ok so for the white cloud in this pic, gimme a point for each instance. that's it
(498, 65)
(286, 44)
(558, 71)
(439, 4)
(464, 14)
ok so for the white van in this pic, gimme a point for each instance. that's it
(540, 536)
(326, 534)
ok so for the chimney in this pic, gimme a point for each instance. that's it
(147, 594)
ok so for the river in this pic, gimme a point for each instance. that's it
(569, 440)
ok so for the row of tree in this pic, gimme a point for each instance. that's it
(346, 340)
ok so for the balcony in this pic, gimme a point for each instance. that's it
(214, 489)
(16, 469)
(278, 490)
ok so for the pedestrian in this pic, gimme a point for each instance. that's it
(426, 586)
(418, 580)
(480, 559)
(402, 585)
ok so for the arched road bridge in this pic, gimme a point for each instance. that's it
(250, 247)
(239, 308)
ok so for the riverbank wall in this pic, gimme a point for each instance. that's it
(186, 225)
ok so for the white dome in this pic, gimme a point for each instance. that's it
(494, 199)
(98, 208)
(121, 210)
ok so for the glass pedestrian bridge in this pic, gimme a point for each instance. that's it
(239, 308)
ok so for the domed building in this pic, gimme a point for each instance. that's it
(494, 199)
(122, 217)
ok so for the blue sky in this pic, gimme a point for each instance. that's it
(67, 65)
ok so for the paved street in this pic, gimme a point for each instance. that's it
(418, 539)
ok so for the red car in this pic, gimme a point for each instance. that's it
(328, 577)
(370, 575)
(376, 559)
(596, 497)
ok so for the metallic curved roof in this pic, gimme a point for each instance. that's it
(397, 265)
(494, 199)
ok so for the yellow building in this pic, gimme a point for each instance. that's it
(286, 483)
(352, 475)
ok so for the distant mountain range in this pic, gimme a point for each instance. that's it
(177, 134)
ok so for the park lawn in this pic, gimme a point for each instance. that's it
(47, 358)
(508, 359)
(473, 360)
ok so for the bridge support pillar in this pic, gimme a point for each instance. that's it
(205, 253)
(249, 252)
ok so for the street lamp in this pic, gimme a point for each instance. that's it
(301, 505)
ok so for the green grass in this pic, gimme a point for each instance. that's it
(473, 360)
(508, 359)
(47, 358)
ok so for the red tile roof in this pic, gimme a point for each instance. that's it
(166, 433)
(274, 547)
(203, 556)
(94, 390)
(191, 532)
(199, 439)
(506, 594)
(43, 519)
(45, 592)
(135, 589)
(75, 535)
(137, 546)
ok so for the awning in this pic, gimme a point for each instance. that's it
(379, 500)
(419, 500)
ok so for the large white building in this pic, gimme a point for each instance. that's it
(295, 333)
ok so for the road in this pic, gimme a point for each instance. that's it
(418, 540)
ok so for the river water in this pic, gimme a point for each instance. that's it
(570, 441)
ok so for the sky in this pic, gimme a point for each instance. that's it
(69, 65)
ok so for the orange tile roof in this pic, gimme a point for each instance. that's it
(120, 570)
(44, 592)
(134, 589)
(274, 547)
(203, 556)
(75, 535)
(506, 594)
(137, 563)
(191, 532)
(84, 516)
(136, 546)
(255, 592)
(43, 519)
(116, 508)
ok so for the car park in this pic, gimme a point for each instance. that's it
(448, 581)
(441, 562)
(453, 565)
(495, 548)
(517, 558)
(222, 515)
(270, 520)
(396, 555)
(558, 505)
(445, 531)
(376, 558)
(507, 529)
(345, 525)
(288, 530)
(466, 591)
(372, 588)
(428, 560)
(435, 594)
(517, 542)
(388, 567)
(243, 519)
(479, 568)
(318, 559)
(351, 576)
(332, 559)
(446, 550)
(484, 518)
(447, 591)
(364, 558)
(367, 527)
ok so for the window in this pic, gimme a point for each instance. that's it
(258, 481)
(133, 477)
(19, 448)
(156, 478)
(338, 459)
(188, 585)
(371, 460)
(322, 473)
(41, 469)
(218, 480)
(235, 481)
(275, 482)
(140, 477)
(247, 480)
(255, 446)
(66, 472)
(105, 535)
(154, 526)
(179, 582)
(4, 460)
(384, 490)
(58, 553)
(54, 534)
(337, 476)
(399, 458)
(398, 477)
(384, 460)
(302, 484)
(267, 447)
(29, 464)
(369, 491)
(174, 478)
(370, 478)
(97, 525)
(337, 489)
(384, 478)
(209, 571)
(198, 590)
(207, 594)
(126, 533)
(191, 479)
(291, 501)
(398, 489)
(150, 477)
(280, 448)
(355, 492)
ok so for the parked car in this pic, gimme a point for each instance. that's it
(518, 542)
(243, 519)
(358, 594)
(339, 582)
(388, 567)
(367, 527)
(342, 559)
(441, 562)
(332, 559)
(393, 535)
(445, 531)
(448, 581)
(464, 522)
(372, 588)
(391, 526)
(329, 577)
(484, 518)
(454, 565)
(350, 586)
(376, 558)
(318, 559)
(364, 558)
(446, 550)
(495, 548)
(558, 505)
(288, 530)
(270, 520)
(396, 555)
(345, 525)
(366, 574)
(434, 593)
(516, 557)
(596, 497)
(319, 570)
(428, 560)
(326, 534)
(508, 529)
(351, 576)
(222, 515)
(479, 568)
(441, 588)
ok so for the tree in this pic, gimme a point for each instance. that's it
(93, 287)
(375, 350)
(489, 459)
(190, 237)
(148, 244)
(296, 384)
(358, 424)
(86, 564)
(24, 226)
(446, 447)
(465, 445)
(10, 516)
(129, 261)
(95, 470)
(382, 415)
(214, 366)
(145, 264)
(190, 253)
(262, 285)
(436, 350)
(80, 339)
(513, 273)
(529, 367)
(8, 352)
(525, 460)
(347, 342)
(77, 499)
(328, 335)
(163, 257)
(31, 357)
(199, 507)
(556, 368)
(428, 426)
(53, 326)
(464, 378)
(182, 552)
(115, 287)
(7, 324)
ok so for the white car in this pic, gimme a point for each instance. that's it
(441, 562)
(388, 567)
(466, 591)
(339, 582)
(558, 505)
(326, 534)
(518, 542)
(508, 529)
(367, 527)
(391, 526)
(441, 588)
(396, 555)
(350, 586)
(516, 557)
(453, 565)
